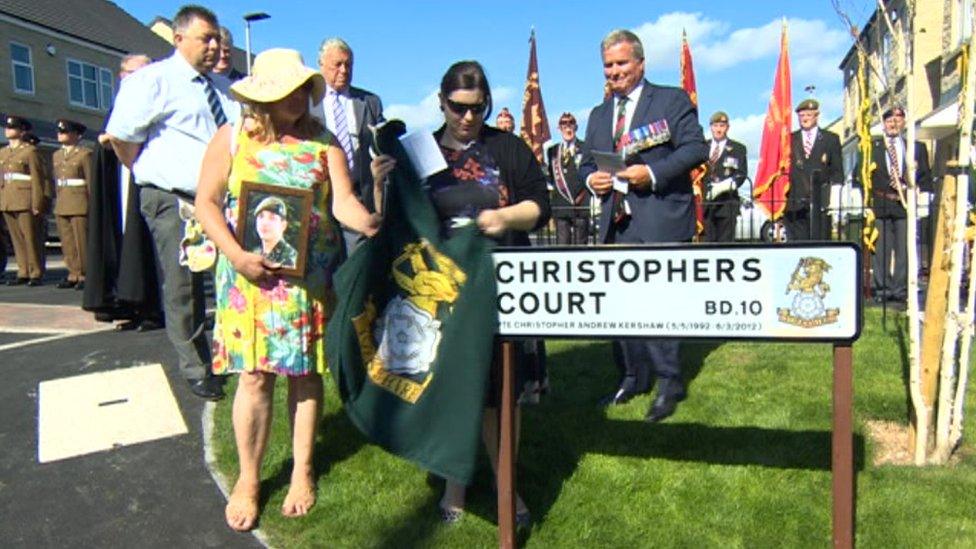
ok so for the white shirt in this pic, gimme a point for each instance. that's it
(162, 107)
(810, 136)
(717, 148)
(899, 153)
(351, 123)
(629, 107)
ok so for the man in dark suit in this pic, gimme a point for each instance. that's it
(727, 169)
(569, 193)
(658, 204)
(816, 165)
(888, 190)
(348, 113)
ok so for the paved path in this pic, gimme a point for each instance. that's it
(148, 494)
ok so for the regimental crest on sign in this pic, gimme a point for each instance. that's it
(809, 289)
(399, 347)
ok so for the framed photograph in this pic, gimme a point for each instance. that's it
(273, 221)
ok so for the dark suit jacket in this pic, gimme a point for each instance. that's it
(665, 213)
(731, 163)
(368, 110)
(817, 173)
(885, 197)
(561, 207)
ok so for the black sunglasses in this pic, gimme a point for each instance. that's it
(461, 109)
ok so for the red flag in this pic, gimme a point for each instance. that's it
(772, 175)
(535, 125)
(698, 173)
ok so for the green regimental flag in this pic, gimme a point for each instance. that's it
(409, 343)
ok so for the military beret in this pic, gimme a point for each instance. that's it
(808, 105)
(30, 139)
(719, 116)
(65, 125)
(274, 205)
(17, 123)
(891, 112)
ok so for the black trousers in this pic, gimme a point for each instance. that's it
(638, 358)
(887, 279)
(719, 228)
(572, 230)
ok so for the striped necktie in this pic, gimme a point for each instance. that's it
(341, 126)
(213, 101)
(716, 152)
(807, 143)
(620, 125)
(894, 170)
(619, 212)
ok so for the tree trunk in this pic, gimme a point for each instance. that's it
(923, 382)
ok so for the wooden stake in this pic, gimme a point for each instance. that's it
(506, 450)
(842, 448)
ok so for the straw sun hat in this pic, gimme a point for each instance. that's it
(275, 74)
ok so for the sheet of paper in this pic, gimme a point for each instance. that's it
(621, 185)
(609, 162)
(424, 153)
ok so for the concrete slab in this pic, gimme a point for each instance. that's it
(95, 412)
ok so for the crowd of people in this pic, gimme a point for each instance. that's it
(307, 132)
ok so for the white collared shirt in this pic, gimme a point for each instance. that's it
(629, 107)
(810, 136)
(566, 146)
(717, 147)
(165, 109)
(899, 153)
(351, 123)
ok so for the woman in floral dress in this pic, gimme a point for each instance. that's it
(269, 324)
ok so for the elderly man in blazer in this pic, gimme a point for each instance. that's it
(887, 178)
(348, 113)
(656, 129)
(569, 195)
(816, 165)
(727, 170)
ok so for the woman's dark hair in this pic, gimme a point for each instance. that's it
(467, 75)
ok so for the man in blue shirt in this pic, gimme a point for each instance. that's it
(161, 123)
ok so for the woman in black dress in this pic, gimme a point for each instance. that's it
(494, 180)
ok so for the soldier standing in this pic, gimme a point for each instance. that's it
(815, 166)
(72, 178)
(571, 216)
(23, 201)
(727, 169)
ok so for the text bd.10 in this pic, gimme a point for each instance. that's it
(730, 308)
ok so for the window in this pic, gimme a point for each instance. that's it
(23, 68)
(964, 10)
(89, 86)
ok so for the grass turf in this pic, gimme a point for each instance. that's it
(745, 462)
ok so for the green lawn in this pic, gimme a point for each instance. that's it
(744, 463)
